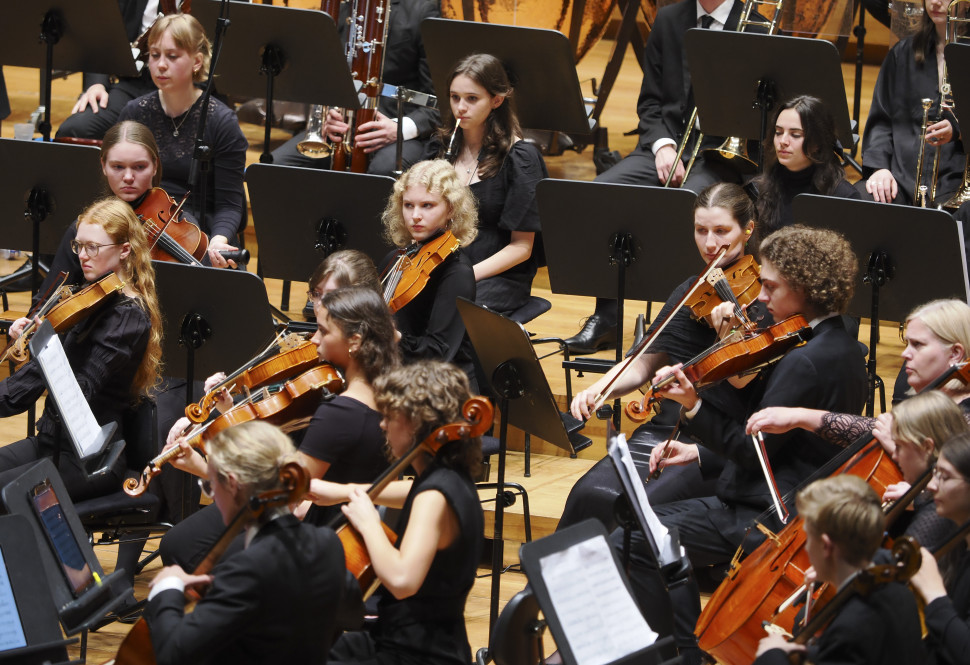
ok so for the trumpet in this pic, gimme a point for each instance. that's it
(734, 149)
(315, 145)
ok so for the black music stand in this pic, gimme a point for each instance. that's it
(540, 64)
(512, 372)
(739, 78)
(297, 50)
(31, 633)
(89, 36)
(77, 611)
(301, 216)
(584, 550)
(40, 194)
(617, 227)
(214, 319)
(922, 265)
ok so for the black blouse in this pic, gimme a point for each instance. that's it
(176, 145)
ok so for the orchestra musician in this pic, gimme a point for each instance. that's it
(343, 441)
(945, 585)
(912, 434)
(430, 200)
(114, 353)
(277, 599)
(844, 525)
(911, 72)
(723, 217)
(427, 575)
(800, 158)
(131, 167)
(405, 65)
(804, 271)
(502, 171)
(178, 59)
(102, 99)
(937, 336)
(664, 109)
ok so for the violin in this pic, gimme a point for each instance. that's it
(743, 280)
(283, 405)
(729, 357)
(478, 414)
(136, 648)
(409, 274)
(170, 237)
(286, 356)
(64, 309)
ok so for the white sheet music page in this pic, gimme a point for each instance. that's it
(617, 446)
(75, 412)
(598, 615)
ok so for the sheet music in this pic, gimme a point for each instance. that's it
(11, 628)
(669, 552)
(75, 412)
(599, 617)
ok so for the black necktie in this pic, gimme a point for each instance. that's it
(706, 21)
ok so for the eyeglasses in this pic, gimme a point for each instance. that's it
(206, 486)
(91, 248)
(314, 297)
(940, 478)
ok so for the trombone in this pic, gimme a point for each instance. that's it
(733, 149)
(946, 103)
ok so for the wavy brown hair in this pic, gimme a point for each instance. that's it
(348, 267)
(120, 223)
(817, 263)
(501, 127)
(359, 310)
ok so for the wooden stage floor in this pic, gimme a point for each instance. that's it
(553, 473)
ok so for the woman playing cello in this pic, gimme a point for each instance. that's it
(427, 575)
(114, 353)
(277, 600)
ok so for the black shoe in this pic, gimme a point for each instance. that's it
(596, 335)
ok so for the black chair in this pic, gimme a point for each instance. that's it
(117, 517)
(517, 637)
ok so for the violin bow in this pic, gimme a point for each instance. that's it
(645, 344)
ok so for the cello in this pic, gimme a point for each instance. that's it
(759, 589)
(136, 648)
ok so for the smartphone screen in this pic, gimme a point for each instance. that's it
(61, 538)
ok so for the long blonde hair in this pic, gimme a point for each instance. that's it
(188, 35)
(949, 320)
(120, 223)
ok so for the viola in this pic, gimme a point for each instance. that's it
(136, 648)
(730, 357)
(742, 280)
(408, 276)
(477, 413)
(66, 308)
(170, 237)
(286, 406)
(286, 356)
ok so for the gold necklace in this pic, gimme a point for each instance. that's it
(177, 127)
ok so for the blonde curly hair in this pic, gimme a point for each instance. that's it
(438, 177)
(817, 263)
